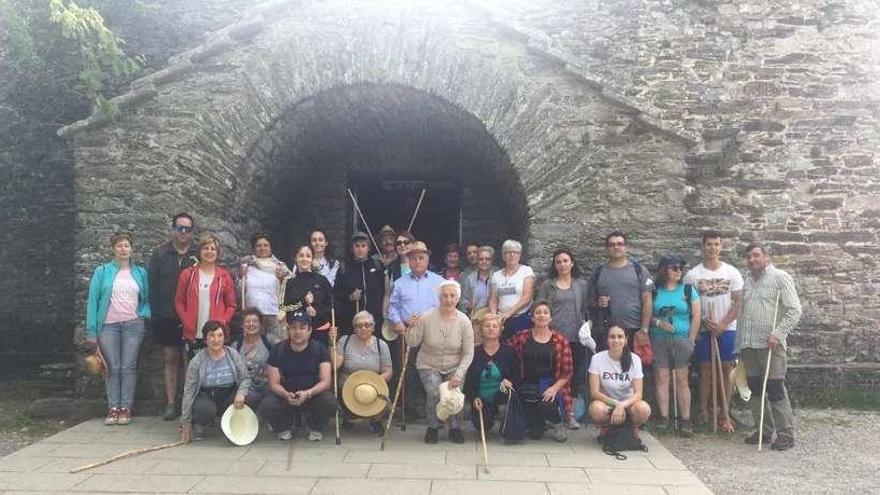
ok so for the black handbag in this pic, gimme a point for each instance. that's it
(621, 438)
(513, 425)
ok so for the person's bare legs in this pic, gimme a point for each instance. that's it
(661, 391)
(684, 393)
(705, 390)
(639, 413)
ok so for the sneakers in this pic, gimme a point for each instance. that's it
(686, 428)
(456, 435)
(431, 435)
(753, 439)
(285, 435)
(124, 416)
(170, 412)
(572, 424)
(559, 433)
(660, 424)
(112, 416)
(315, 436)
(783, 442)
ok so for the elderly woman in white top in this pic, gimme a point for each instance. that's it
(261, 274)
(511, 290)
(447, 349)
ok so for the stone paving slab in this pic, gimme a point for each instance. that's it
(358, 466)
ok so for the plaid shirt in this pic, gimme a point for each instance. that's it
(755, 320)
(562, 362)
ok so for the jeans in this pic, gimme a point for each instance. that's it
(280, 413)
(120, 343)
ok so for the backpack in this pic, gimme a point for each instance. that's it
(594, 283)
(513, 424)
(620, 438)
(688, 294)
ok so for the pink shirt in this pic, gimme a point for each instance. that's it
(124, 298)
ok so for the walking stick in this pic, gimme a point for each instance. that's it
(483, 439)
(396, 394)
(360, 214)
(127, 454)
(335, 389)
(290, 455)
(724, 410)
(415, 213)
(766, 375)
(713, 348)
(243, 283)
(403, 392)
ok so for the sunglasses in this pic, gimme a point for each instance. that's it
(364, 325)
(616, 244)
(183, 229)
(674, 268)
(402, 243)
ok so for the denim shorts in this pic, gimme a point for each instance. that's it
(726, 347)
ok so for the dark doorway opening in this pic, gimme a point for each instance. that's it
(393, 201)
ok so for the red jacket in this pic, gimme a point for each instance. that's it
(186, 299)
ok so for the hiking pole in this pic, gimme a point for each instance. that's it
(483, 440)
(335, 389)
(766, 375)
(416, 212)
(403, 392)
(290, 454)
(360, 214)
(674, 394)
(127, 454)
(713, 348)
(724, 410)
(396, 395)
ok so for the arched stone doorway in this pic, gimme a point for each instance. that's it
(386, 143)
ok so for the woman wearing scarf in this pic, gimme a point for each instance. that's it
(261, 274)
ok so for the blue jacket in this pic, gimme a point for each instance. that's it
(100, 289)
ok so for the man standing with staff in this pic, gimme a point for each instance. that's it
(768, 293)
(720, 288)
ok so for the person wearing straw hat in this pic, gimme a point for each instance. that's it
(361, 351)
(215, 377)
(360, 284)
(117, 305)
(300, 380)
(260, 275)
(385, 238)
(446, 338)
(720, 287)
(768, 292)
(492, 373)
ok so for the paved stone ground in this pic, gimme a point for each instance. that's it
(407, 466)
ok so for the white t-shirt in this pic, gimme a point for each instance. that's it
(509, 289)
(261, 290)
(612, 380)
(715, 288)
(204, 301)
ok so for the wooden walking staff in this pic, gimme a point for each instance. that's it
(767, 374)
(712, 349)
(403, 392)
(396, 393)
(416, 212)
(483, 440)
(725, 412)
(364, 220)
(335, 389)
(127, 454)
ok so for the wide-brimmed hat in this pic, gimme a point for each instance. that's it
(740, 380)
(240, 425)
(417, 247)
(365, 394)
(359, 236)
(451, 401)
(95, 363)
(388, 332)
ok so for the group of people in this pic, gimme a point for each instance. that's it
(570, 347)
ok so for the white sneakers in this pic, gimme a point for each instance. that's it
(285, 435)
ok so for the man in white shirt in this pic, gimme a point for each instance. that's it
(720, 288)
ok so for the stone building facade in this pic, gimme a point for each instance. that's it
(555, 122)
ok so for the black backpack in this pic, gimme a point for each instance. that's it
(513, 424)
(620, 438)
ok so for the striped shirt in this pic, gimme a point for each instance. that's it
(755, 321)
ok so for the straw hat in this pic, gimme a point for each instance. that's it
(365, 394)
(451, 401)
(240, 425)
(418, 247)
(388, 332)
(740, 381)
(95, 364)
